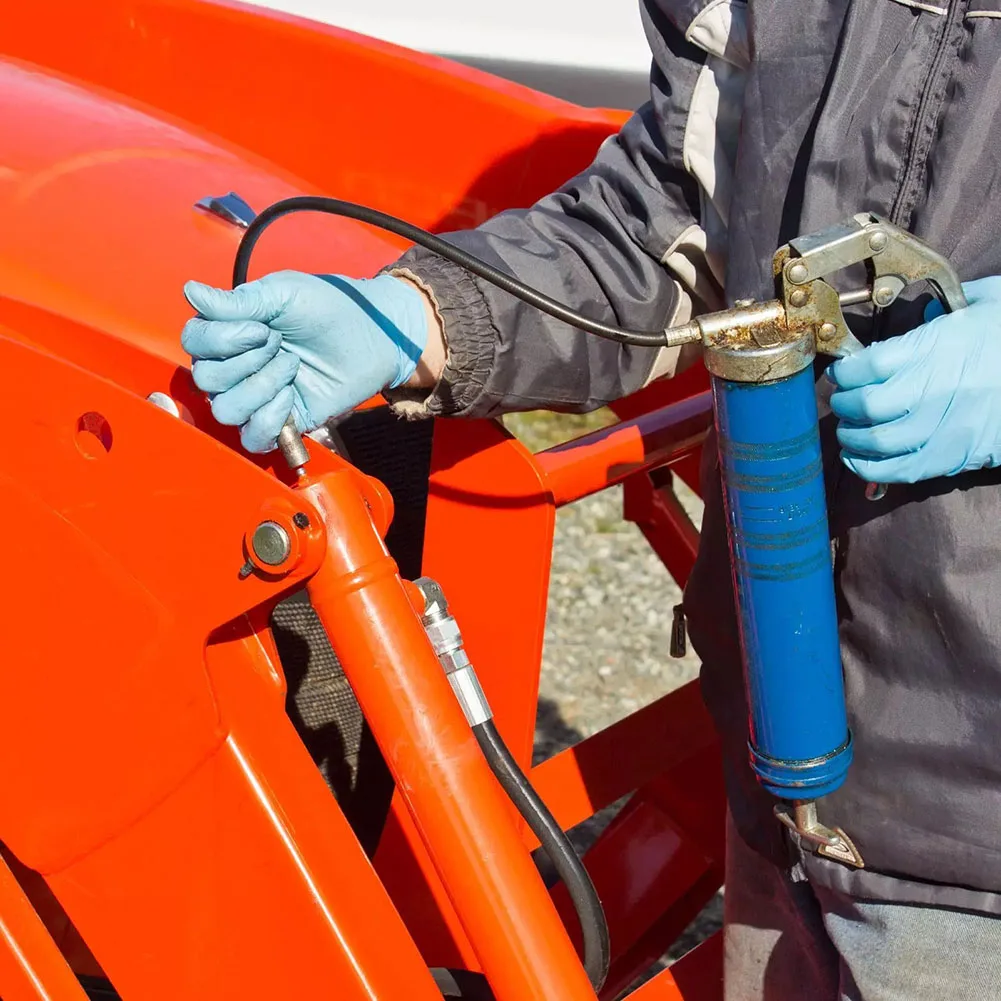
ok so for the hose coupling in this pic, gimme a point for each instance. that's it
(446, 638)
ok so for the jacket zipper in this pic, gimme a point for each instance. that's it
(912, 165)
(925, 108)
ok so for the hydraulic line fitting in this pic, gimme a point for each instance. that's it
(446, 638)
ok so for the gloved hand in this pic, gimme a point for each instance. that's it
(315, 346)
(927, 403)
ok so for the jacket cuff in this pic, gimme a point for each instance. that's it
(471, 338)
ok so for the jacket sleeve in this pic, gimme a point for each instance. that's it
(623, 242)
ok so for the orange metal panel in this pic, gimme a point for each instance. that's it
(83, 517)
(583, 779)
(238, 73)
(247, 881)
(677, 916)
(660, 860)
(488, 541)
(663, 520)
(697, 976)
(643, 861)
(647, 872)
(108, 149)
(166, 798)
(31, 966)
(99, 217)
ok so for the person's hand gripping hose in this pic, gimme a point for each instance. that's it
(313, 346)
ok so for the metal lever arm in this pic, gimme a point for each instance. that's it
(893, 259)
(911, 260)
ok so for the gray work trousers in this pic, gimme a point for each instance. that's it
(786, 940)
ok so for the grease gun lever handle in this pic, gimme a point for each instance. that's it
(893, 258)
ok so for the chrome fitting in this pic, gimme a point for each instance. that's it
(291, 446)
(446, 639)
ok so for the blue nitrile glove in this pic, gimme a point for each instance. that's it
(315, 346)
(927, 403)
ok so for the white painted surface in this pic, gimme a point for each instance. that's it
(592, 34)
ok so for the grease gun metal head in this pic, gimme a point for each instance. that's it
(291, 445)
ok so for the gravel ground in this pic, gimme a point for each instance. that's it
(608, 627)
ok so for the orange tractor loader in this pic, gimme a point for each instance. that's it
(181, 620)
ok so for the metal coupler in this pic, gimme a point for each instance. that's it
(446, 638)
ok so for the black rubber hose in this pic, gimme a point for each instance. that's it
(552, 837)
(382, 220)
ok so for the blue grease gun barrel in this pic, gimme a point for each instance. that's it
(769, 451)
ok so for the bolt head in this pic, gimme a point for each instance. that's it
(827, 331)
(300, 519)
(271, 543)
(883, 295)
(877, 241)
(799, 297)
(797, 273)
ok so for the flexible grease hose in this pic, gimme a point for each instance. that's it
(290, 441)
(390, 223)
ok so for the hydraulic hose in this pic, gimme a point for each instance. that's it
(555, 843)
(392, 224)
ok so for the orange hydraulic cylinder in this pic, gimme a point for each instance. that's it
(457, 805)
(31, 966)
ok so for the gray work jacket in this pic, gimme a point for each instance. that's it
(768, 119)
